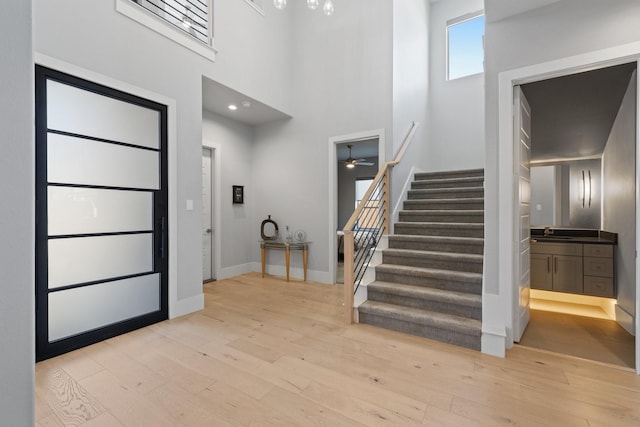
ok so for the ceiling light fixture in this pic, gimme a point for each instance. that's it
(232, 107)
(246, 104)
(328, 7)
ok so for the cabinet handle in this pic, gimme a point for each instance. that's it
(555, 264)
(548, 264)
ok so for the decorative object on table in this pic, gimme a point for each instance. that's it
(288, 236)
(300, 235)
(238, 194)
(269, 229)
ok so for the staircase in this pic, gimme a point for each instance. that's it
(430, 280)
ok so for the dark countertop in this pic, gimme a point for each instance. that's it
(572, 235)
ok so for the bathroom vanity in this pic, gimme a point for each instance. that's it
(574, 261)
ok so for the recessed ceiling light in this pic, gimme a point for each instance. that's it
(246, 104)
(233, 107)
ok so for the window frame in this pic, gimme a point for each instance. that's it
(452, 23)
(150, 20)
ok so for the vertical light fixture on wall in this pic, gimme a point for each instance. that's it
(584, 192)
(328, 7)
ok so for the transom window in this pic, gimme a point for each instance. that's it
(465, 50)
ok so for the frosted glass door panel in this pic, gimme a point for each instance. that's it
(79, 310)
(79, 111)
(83, 161)
(87, 259)
(75, 210)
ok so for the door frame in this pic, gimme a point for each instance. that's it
(216, 199)
(507, 209)
(333, 185)
(176, 307)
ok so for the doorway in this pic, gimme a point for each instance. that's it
(558, 315)
(208, 230)
(101, 212)
(369, 148)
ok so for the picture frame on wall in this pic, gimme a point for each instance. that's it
(238, 194)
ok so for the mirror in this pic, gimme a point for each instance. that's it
(269, 229)
(567, 194)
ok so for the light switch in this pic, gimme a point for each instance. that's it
(189, 205)
(538, 207)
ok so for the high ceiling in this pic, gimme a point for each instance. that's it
(572, 116)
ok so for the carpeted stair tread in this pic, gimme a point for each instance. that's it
(430, 272)
(448, 182)
(454, 229)
(412, 253)
(449, 174)
(442, 215)
(433, 319)
(474, 245)
(444, 204)
(433, 294)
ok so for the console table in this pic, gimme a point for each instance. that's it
(287, 247)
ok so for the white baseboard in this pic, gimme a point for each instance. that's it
(235, 270)
(493, 341)
(186, 306)
(625, 320)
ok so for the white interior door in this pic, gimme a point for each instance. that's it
(522, 154)
(207, 217)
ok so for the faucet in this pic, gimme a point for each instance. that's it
(548, 231)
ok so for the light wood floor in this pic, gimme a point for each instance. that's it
(265, 352)
(601, 340)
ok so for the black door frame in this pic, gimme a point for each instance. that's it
(44, 348)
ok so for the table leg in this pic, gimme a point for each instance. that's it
(287, 258)
(304, 262)
(262, 250)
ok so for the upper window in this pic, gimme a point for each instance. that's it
(465, 50)
(187, 22)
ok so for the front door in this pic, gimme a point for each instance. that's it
(522, 153)
(101, 213)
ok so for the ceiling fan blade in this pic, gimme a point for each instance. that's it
(357, 163)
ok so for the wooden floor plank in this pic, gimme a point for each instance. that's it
(266, 352)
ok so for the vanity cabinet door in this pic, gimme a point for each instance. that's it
(541, 272)
(567, 274)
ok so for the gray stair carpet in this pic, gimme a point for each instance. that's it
(430, 281)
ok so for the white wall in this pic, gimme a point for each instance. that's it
(341, 84)
(233, 143)
(410, 88)
(92, 35)
(562, 29)
(17, 221)
(456, 107)
(619, 190)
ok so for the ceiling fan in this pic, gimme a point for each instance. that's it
(351, 162)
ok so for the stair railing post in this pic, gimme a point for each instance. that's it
(386, 202)
(349, 256)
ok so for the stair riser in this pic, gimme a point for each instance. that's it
(459, 204)
(436, 263)
(423, 185)
(423, 230)
(421, 216)
(443, 335)
(448, 284)
(475, 173)
(436, 246)
(438, 194)
(425, 304)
